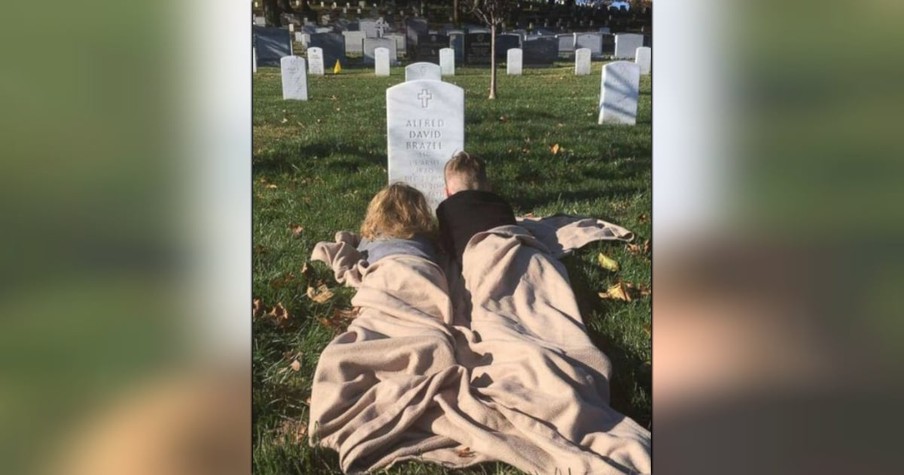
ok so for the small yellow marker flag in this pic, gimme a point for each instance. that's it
(337, 68)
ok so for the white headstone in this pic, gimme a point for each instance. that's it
(425, 126)
(294, 78)
(620, 88)
(299, 37)
(381, 62)
(429, 71)
(447, 61)
(513, 62)
(260, 21)
(315, 61)
(291, 28)
(581, 61)
(354, 42)
(254, 59)
(644, 59)
(626, 45)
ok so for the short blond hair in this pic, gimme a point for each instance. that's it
(397, 211)
(467, 171)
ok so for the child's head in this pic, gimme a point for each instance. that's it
(465, 172)
(397, 211)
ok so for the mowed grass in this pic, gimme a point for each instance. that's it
(316, 164)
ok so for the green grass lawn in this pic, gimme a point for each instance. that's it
(316, 164)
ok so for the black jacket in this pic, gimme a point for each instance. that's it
(467, 213)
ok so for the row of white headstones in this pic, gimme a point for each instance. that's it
(425, 116)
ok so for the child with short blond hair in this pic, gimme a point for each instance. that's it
(470, 206)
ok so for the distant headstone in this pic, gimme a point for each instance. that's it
(333, 45)
(428, 47)
(354, 42)
(381, 27)
(429, 71)
(581, 62)
(608, 45)
(260, 21)
(401, 42)
(415, 27)
(253, 59)
(591, 41)
(381, 61)
(506, 42)
(513, 62)
(541, 51)
(626, 45)
(370, 44)
(369, 27)
(315, 61)
(294, 78)
(425, 126)
(457, 43)
(566, 43)
(477, 48)
(620, 89)
(644, 59)
(447, 61)
(272, 44)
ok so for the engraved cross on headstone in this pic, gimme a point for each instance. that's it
(380, 26)
(425, 97)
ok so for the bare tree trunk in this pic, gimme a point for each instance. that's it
(492, 61)
(455, 18)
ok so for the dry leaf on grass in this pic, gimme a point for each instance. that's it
(625, 291)
(618, 291)
(640, 249)
(554, 149)
(340, 319)
(465, 452)
(292, 430)
(296, 230)
(607, 262)
(257, 308)
(279, 314)
(296, 365)
(321, 294)
(271, 186)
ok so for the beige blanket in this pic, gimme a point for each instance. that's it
(519, 382)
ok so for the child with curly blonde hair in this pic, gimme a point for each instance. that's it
(398, 221)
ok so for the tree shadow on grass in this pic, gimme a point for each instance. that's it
(338, 157)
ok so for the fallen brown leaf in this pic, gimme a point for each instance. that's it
(296, 230)
(616, 292)
(321, 294)
(292, 430)
(554, 149)
(271, 186)
(607, 262)
(640, 249)
(279, 314)
(295, 365)
(257, 308)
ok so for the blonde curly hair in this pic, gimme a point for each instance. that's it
(398, 211)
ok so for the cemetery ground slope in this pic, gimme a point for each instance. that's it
(316, 164)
